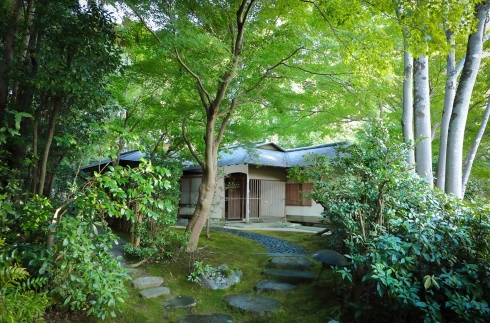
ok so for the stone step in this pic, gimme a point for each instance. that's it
(207, 318)
(293, 263)
(180, 302)
(252, 303)
(147, 282)
(135, 272)
(154, 292)
(291, 276)
(273, 286)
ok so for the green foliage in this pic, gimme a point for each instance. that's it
(24, 221)
(86, 276)
(199, 270)
(83, 274)
(21, 297)
(148, 196)
(414, 251)
(60, 77)
(158, 241)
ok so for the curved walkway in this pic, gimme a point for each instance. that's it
(273, 245)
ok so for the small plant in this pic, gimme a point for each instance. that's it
(199, 270)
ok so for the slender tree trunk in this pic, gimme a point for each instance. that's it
(474, 148)
(35, 162)
(48, 187)
(49, 139)
(451, 81)
(423, 148)
(203, 207)
(137, 226)
(8, 54)
(407, 118)
(206, 189)
(454, 157)
(28, 19)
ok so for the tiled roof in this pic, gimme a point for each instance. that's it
(264, 154)
(133, 156)
(269, 154)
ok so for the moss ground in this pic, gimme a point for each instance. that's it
(307, 304)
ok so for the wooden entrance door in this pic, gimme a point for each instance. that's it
(235, 196)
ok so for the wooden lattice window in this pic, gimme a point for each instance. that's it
(295, 193)
(189, 189)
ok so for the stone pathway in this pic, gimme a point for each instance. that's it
(287, 267)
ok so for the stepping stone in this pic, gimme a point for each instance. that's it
(252, 303)
(154, 292)
(207, 318)
(147, 282)
(273, 286)
(294, 263)
(291, 276)
(180, 301)
(134, 271)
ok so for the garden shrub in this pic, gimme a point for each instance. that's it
(158, 188)
(22, 298)
(86, 276)
(415, 253)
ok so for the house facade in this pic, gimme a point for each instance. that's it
(252, 185)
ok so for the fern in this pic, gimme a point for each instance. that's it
(19, 301)
(10, 277)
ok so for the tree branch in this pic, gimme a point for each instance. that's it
(202, 91)
(233, 105)
(269, 70)
(332, 28)
(189, 145)
(136, 12)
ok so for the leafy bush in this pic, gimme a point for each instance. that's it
(158, 241)
(86, 276)
(21, 298)
(82, 273)
(157, 192)
(415, 253)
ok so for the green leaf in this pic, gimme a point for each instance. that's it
(427, 282)
(67, 300)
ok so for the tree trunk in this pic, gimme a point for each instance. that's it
(137, 226)
(407, 118)
(454, 157)
(423, 148)
(8, 54)
(474, 148)
(35, 162)
(451, 81)
(205, 200)
(49, 139)
(28, 20)
(48, 187)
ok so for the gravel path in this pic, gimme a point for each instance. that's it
(273, 245)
